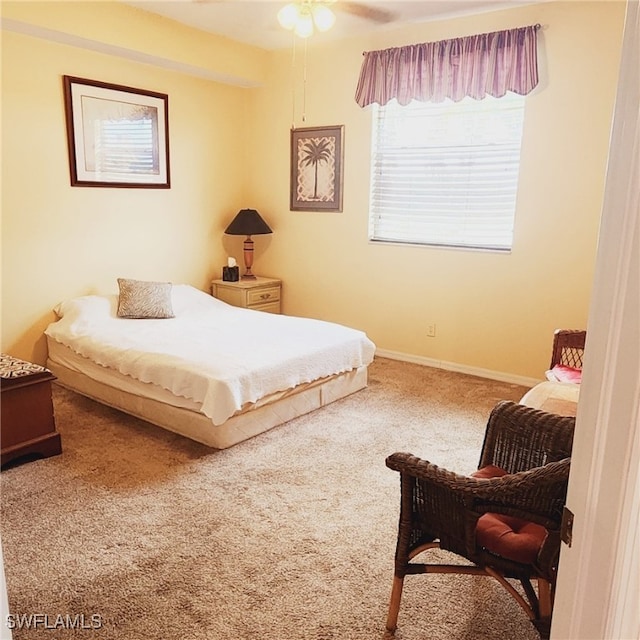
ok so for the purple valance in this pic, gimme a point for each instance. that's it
(488, 63)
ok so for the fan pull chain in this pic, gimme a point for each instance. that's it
(293, 81)
(304, 84)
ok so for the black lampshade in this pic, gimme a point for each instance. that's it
(248, 223)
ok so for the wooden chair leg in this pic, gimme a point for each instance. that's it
(526, 606)
(543, 623)
(394, 604)
(531, 595)
(544, 598)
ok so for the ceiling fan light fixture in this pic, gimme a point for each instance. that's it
(304, 26)
(304, 16)
(289, 15)
(323, 17)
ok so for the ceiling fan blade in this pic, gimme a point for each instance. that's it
(363, 11)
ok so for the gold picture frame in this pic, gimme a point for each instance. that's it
(317, 158)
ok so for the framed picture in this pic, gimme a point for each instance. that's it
(117, 136)
(317, 155)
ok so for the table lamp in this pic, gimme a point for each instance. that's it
(248, 223)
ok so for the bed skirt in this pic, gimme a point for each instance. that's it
(181, 415)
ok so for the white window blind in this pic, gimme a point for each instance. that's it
(126, 146)
(446, 173)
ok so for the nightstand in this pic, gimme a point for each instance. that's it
(261, 294)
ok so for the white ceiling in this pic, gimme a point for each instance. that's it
(254, 21)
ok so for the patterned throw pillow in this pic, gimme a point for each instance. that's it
(140, 299)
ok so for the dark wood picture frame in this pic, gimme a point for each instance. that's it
(317, 159)
(117, 136)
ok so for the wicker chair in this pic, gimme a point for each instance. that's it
(530, 451)
(568, 348)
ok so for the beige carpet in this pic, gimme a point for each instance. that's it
(289, 536)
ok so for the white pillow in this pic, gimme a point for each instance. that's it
(89, 307)
(93, 308)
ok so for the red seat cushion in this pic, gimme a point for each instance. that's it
(511, 538)
(490, 471)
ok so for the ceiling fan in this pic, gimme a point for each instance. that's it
(357, 9)
(361, 10)
(302, 16)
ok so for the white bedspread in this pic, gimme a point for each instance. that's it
(219, 355)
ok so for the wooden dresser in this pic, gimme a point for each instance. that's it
(27, 422)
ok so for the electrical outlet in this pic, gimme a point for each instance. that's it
(431, 330)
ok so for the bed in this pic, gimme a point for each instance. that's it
(200, 367)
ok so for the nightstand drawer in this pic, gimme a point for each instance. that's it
(262, 296)
(259, 293)
(270, 307)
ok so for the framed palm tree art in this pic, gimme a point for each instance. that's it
(317, 155)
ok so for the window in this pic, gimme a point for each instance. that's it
(446, 173)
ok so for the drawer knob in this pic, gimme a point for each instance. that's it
(265, 296)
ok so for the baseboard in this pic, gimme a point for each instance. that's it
(460, 368)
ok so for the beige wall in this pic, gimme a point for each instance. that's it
(230, 149)
(60, 241)
(493, 312)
